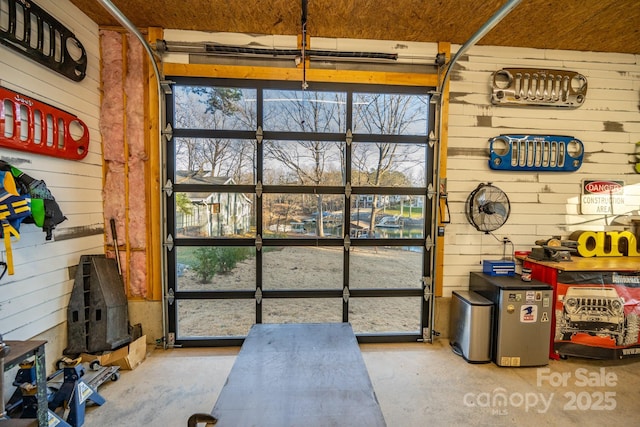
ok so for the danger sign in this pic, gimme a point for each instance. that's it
(602, 197)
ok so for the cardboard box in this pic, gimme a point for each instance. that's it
(136, 354)
(127, 357)
(106, 358)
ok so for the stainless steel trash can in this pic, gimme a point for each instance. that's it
(470, 326)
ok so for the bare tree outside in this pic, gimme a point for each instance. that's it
(310, 162)
(377, 163)
(219, 109)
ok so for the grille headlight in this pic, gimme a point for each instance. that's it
(571, 305)
(616, 306)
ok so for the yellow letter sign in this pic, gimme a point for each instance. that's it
(606, 243)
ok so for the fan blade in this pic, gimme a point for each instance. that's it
(481, 196)
(499, 209)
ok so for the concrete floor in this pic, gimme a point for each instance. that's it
(416, 385)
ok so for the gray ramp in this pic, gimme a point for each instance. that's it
(299, 375)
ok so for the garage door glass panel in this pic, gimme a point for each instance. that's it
(215, 161)
(210, 318)
(386, 164)
(385, 315)
(385, 267)
(304, 111)
(396, 216)
(298, 215)
(390, 114)
(303, 162)
(302, 267)
(215, 268)
(302, 310)
(207, 107)
(214, 214)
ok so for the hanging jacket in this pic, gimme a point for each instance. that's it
(14, 209)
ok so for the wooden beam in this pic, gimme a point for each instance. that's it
(153, 184)
(445, 48)
(295, 74)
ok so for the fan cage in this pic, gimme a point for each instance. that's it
(487, 208)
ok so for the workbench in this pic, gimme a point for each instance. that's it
(299, 375)
(20, 351)
(594, 328)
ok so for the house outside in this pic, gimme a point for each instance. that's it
(211, 214)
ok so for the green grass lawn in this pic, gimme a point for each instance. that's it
(416, 212)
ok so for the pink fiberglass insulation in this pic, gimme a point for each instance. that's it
(122, 122)
(138, 274)
(134, 89)
(113, 195)
(111, 117)
(137, 205)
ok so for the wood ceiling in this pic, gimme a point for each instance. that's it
(584, 25)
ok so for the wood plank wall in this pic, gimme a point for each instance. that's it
(546, 203)
(35, 298)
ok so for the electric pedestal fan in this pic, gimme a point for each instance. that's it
(487, 208)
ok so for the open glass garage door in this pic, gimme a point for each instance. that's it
(291, 206)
